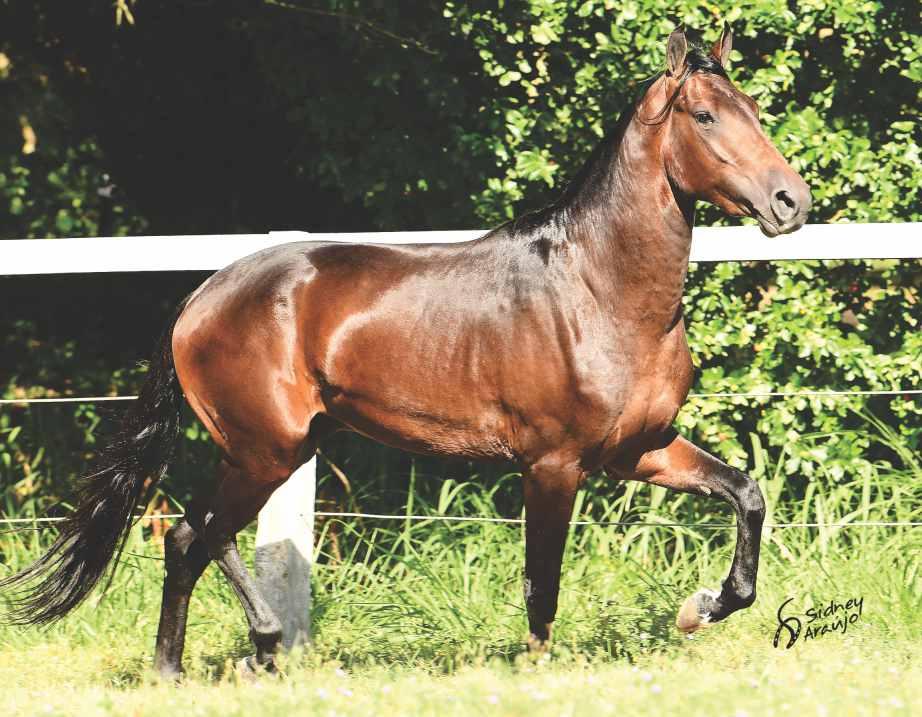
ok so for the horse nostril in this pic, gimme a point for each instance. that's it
(786, 198)
(783, 205)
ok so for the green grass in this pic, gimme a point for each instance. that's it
(694, 683)
(427, 618)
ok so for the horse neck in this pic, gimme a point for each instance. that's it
(632, 232)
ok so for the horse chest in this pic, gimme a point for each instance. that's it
(631, 390)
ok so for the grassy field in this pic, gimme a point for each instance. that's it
(427, 618)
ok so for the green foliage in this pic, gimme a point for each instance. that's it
(453, 114)
(55, 193)
(51, 168)
(837, 84)
(440, 114)
(799, 326)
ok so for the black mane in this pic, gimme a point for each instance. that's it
(590, 183)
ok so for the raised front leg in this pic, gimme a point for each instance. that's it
(675, 463)
(550, 488)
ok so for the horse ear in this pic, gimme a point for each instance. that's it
(676, 49)
(721, 49)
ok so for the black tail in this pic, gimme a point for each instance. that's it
(106, 499)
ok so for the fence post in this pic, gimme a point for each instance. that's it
(284, 548)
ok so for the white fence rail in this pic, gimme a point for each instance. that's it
(284, 539)
(208, 252)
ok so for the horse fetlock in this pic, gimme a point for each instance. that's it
(540, 603)
(735, 598)
(267, 637)
(539, 638)
(267, 646)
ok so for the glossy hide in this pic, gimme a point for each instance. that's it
(556, 341)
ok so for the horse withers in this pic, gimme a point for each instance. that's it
(556, 341)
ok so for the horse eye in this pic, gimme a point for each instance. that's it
(704, 118)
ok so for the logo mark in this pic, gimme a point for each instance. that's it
(819, 620)
(791, 624)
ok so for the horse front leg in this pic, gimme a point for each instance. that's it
(550, 488)
(675, 463)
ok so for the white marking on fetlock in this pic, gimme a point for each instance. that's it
(690, 618)
(246, 668)
(714, 594)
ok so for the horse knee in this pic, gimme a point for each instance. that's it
(178, 538)
(743, 493)
(752, 503)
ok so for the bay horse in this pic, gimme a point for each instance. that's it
(556, 341)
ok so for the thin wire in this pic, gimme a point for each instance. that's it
(752, 394)
(152, 516)
(654, 524)
(778, 394)
(68, 399)
(518, 521)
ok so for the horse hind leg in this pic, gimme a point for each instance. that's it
(243, 374)
(209, 533)
(677, 464)
(190, 545)
(186, 558)
(239, 498)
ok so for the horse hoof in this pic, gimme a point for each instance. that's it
(249, 668)
(695, 612)
(169, 676)
(537, 646)
(246, 668)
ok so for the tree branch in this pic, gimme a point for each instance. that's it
(368, 25)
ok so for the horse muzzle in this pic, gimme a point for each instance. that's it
(788, 207)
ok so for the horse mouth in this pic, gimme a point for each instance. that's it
(769, 224)
(769, 228)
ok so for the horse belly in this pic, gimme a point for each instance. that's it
(427, 397)
(414, 400)
(432, 433)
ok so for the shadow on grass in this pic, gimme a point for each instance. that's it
(621, 632)
(642, 624)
